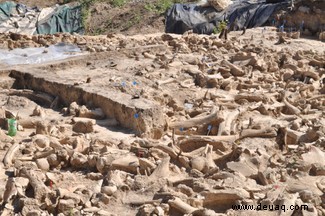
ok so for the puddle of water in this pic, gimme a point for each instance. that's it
(39, 54)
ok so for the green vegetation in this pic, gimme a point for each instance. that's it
(118, 3)
(221, 25)
(161, 6)
(155, 6)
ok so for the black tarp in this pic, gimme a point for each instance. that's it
(183, 17)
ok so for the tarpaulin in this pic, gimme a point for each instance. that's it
(18, 18)
(63, 19)
(241, 13)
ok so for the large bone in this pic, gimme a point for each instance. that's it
(226, 127)
(128, 163)
(197, 121)
(40, 189)
(209, 157)
(181, 206)
(10, 154)
(292, 109)
(250, 97)
(267, 133)
(235, 71)
(201, 141)
(162, 169)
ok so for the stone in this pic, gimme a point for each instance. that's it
(78, 160)
(109, 190)
(72, 196)
(43, 164)
(66, 205)
(219, 5)
(322, 36)
(199, 163)
(41, 128)
(83, 125)
(38, 111)
(74, 109)
(53, 160)
(42, 141)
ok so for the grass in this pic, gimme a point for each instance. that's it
(161, 6)
(155, 6)
(118, 3)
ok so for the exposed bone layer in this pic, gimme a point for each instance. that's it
(167, 125)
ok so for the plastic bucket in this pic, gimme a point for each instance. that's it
(12, 127)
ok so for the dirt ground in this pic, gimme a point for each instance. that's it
(162, 124)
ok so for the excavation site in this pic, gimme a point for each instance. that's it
(171, 120)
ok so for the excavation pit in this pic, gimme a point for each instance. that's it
(90, 88)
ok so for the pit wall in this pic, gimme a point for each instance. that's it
(143, 116)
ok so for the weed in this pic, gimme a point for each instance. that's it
(118, 3)
(221, 25)
(161, 6)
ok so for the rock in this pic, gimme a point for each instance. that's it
(159, 211)
(43, 164)
(78, 160)
(21, 185)
(199, 163)
(83, 125)
(306, 195)
(42, 141)
(103, 213)
(74, 109)
(53, 160)
(95, 176)
(109, 190)
(38, 111)
(245, 167)
(62, 192)
(41, 128)
(65, 206)
(94, 114)
(317, 169)
(322, 36)
(145, 210)
(295, 35)
(72, 196)
(219, 5)
(315, 155)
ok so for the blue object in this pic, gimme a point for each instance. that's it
(181, 129)
(209, 127)
(134, 83)
(123, 84)
(136, 115)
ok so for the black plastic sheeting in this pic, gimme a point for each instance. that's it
(183, 17)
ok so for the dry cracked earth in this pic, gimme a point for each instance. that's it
(165, 124)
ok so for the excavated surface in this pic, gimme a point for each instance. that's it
(167, 125)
